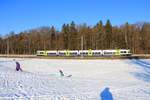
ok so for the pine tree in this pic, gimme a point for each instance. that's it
(73, 36)
(53, 38)
(108, 33)
(65, 32)
(100, 33)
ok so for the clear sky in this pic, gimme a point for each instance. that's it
(20, 15)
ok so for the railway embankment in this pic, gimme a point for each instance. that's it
(135, 56)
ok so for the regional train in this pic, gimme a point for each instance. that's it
(74, 53)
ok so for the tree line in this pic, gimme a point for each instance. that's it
(135, 37)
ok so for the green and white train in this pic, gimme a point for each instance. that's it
(117, 52)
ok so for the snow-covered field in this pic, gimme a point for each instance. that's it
(41, 80)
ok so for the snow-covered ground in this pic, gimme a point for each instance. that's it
(41, 80)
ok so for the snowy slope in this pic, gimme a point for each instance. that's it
(127, 79)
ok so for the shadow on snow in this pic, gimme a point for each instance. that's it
(145, 75)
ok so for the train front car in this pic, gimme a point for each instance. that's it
(117, 52)
(41, 53)
(125, 52)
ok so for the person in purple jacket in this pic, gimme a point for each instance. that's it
(18, 68)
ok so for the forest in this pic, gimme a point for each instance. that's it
(72, 36)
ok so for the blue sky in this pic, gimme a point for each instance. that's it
(20, 15)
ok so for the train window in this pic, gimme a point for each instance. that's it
(61, 53)
(96, 53)
(73, 53)
(51, 53)
(41, 52)
(83, 53)
(108, 53)
(123, 51)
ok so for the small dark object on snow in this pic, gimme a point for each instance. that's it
(69, 75)
(61, 73)
(18, 66)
